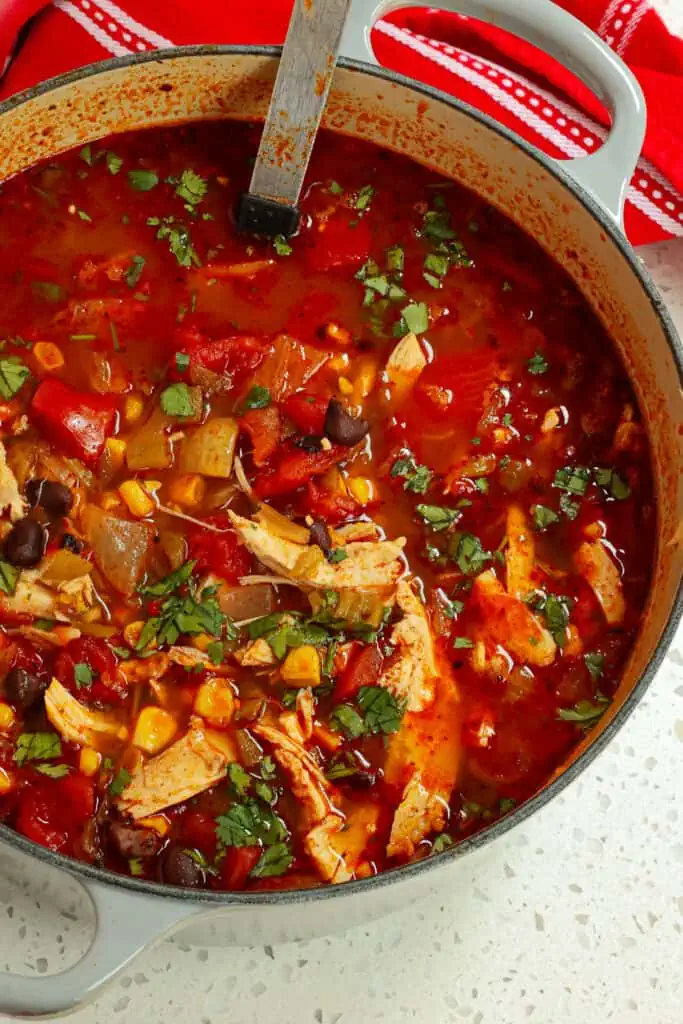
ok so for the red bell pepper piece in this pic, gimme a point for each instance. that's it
(219, 553)
(235, 355)
(363, 669)
(263, 429)
(294, 467)
(333, 509)
(338, 244)
(307, 412)
(79, 422)
(236, 866)
(453, 387)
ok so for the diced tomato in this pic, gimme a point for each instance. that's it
(262, 426)
(198, 831)
(108, 684)
(294, 467)
(219, 553)
(236, 355)
(27, 656)
(332, 508)
(77, 421)
(454, 386)
(363, 669)
(236, 866)
(342, 241)
(52, 813)
(307, 412)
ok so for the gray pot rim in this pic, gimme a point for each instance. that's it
(482, 838)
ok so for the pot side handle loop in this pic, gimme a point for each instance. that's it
(606, 174)
(125, 923)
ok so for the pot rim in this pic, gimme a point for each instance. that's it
(404, 873)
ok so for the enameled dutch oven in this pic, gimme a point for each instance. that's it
(574, 211)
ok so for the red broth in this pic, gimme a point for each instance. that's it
(284, 604)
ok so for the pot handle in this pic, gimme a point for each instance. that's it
(125, 923)
(605, 175)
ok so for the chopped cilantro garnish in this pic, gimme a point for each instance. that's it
(143, 180)
(612, 483)
(442, 842)
(469, 554)
(568, 506)
(395, 257)
(191, 188)
(382, 711)
(182, 361)
(416, 478)
(178, 238)
(595, 663)
(335, 188)
(37, 746)
(250, 823)
(119, 782)
(337, 555)
(13, 375)
(82, 674)
(346, 719)
(556, 610)
(364, 198)
(239, 779)
(216, 652)
(9, 577)
(53, 771)
(135, 270)
(537, 364)
(274, 860)
(282, 246)
(586, 712)
(438, 517)
(543, 517)
(114, 162)
(176, 400)
(257, 398)
(462, 642)
(416, 317)
(572, 479)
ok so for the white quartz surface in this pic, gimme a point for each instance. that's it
(573, 918)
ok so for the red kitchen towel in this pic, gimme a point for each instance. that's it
(488, 68)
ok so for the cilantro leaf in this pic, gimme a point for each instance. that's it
(119, 782)
(238, 778)
(556, 610)
(53, 771)
(169, 583)
(572, 479)
(364, 198)
(191, 187)
(216, 652)
(83, 675)
(537, 364)
(257, 398)
(179, 240)
(9, 577)
(176, 400)
(143, 180)
(274, 860)
(37, 746)
(470, 556)
(337, 555)
(13, 375)
(615, 485)
(267, 768)
(416, 478)
(335, 188)
(346, 719)
(450, 608)
(595, 663)
(134, 271)
(586, 712)
(569, 507)
(438, 517)
(248, 824)
(416, 317)
(114, 162)
(543, 517)
(282, 246)
(462, 642)
(442, 842)
(383, 713)
(182, 361)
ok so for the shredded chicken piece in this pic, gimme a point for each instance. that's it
(367, 564)
(32, 597)
(59, 636)
(411, 676)
(10, 498)
(188, 657)
(77, 595)
(355, 531)
(319, 844)
(519, 553)
(256, 654)
(424, 758)
(594, 563)
(143, 670)
(404, 365)
(509, 622)
(299, 724)
(309, 784)
(189, 766)
(79, 724)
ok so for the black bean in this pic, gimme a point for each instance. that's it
(308, 443)
(25, 543)
(320, 535)
(71, 543)
(54, 497)
(134, 842)
(24, 689)
(343, 428)
(179, 868)
(362, 780)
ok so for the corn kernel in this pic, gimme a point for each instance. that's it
(152, 486)
(345, 386)
(137, 499)
(48, 356)
(339, 362)
(6, 782)
(301, 667)
(110, 501)
(154, 729)
(361, 488)
(202, 641)
(158, 822)
(116, 451)
(187, 491)
(7, 717)
(89, 761)
(131, 632)
(215, 702)
(133, 408)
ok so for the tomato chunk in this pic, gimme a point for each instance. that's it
(262, 426)
(238, 862)
(363, 669)
(219, 553)
(53, 813)
(236, 355)
(332, 508)
(295, 467)
(307, 412)
(88, 668)
(78, 422)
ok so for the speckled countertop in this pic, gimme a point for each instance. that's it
(575, 916)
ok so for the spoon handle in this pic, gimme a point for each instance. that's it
(301, 87)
